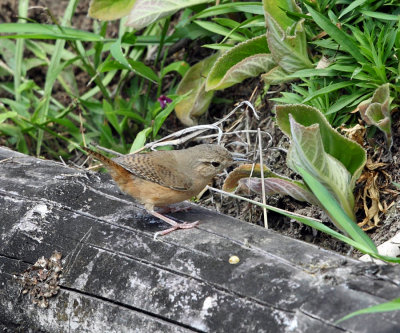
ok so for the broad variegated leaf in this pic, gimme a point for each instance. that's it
(307, 151)
(276, 9)
(376, 111)
(329, 157)
(106, 10)
(295, 189)
(348, 152)
(248, 177)
(286, 38)
(198, 100)
(146, 12)
(247, 59)
(289, 51)
(276, 76)
(245, 171)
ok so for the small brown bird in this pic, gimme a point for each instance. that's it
(161, 178)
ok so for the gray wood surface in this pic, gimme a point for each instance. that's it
(116, 278)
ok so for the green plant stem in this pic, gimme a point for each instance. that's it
(59, 116)
(19, 51)
(50, 75)
(55, 134)
(161, 45)
(78, 47)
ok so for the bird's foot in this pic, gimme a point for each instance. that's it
(175, 225)
(184, 225)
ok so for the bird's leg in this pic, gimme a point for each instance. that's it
(175, 225)
(174, 208)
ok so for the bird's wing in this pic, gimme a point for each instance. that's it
(158, 168)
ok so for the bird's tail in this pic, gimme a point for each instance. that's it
(115, 169)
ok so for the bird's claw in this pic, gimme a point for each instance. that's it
(184, 225)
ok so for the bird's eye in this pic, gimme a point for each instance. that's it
(215, 164)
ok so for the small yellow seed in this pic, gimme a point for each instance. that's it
(233, 260)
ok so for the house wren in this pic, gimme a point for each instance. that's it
(161, 178)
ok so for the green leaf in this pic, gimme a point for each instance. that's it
(220, 30)
(286, 38)
(247, 59)
(296, 190)
(160, 118)
(130, 64)
(307, 151)
(276, 76)
(52, 74)
(19, 51)
(106, 137)
(248, 177)
(69, 125)
(343, 102)
(146, 12)
(349, 8)
(384, 307)
(381, 16)
(178, 66)
(198, 99)
(6, 115)
(7, 50)
(116, 52)
(332, 159)
(313, 72)
(130, 114)
(314, 224)
(218, 47)
(336, 212)
(15, 131)
(46, 31)
(276, 10)
(376, 111)
(141, 69)
(111, 116)
(110, 65)
(140, 139)
(328, 89)
(20, 107)
(351, 154)
(344, 40)
(233, 7)
(110, 10)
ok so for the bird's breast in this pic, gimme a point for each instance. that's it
(153, 194)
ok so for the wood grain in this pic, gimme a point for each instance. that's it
(116, 278)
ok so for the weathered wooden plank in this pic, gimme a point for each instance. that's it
(181, 282)
(71, 311)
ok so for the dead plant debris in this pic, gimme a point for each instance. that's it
(374, 181)
(41, 279)
(355, 133)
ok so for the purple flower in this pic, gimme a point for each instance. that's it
(164, 100)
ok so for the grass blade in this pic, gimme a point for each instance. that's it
(393, 305)
(328, 89)
(338, 35)
(381, 16)
(47, 31)
(336, 212)
(19, 51)
(51, 74)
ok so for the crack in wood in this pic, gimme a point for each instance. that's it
(132, 308)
